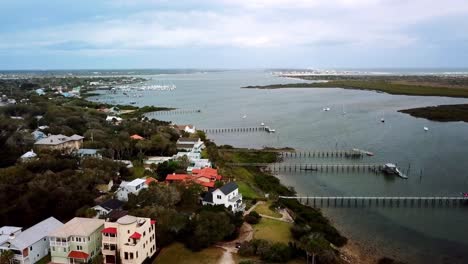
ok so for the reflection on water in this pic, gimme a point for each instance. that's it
(435, 159)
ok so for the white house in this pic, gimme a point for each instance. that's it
(133, 187)
(190, 144)
(28, 155)
(30, 245)
(187, 128)
(228, 195)
(130, 239)
(115, 119)
(108, 206)
(156, 160)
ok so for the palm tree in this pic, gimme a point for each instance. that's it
(313, 245)
(6, 257)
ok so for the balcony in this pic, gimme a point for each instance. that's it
(235, 198)
(109, 252)
(240, 208)
(59, 244)
(108, 239)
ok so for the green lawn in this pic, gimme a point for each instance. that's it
(177, 253)
(273, 230)
(138, 171)
(265, 210)
(247, 191)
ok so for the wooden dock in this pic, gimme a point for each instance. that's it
(174, 112)
(380, 201)
(300, 167)
(234, 129)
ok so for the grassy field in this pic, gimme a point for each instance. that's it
(383, 86)
(247, 191)
(177, 253)
(273, 230)
(265, 210)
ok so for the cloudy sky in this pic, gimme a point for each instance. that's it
(57, 34)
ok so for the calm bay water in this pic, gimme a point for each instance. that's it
(417, 235)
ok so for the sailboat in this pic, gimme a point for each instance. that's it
(426, 129)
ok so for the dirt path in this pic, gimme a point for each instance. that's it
(227, 257)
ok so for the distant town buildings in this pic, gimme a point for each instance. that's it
(190, 144)
(133, 187)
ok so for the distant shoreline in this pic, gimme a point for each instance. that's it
(440, 113)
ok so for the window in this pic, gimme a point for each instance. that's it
(131, 255)
(79, 247)
(53, 248)
(30, 248)
(126, 255)
(144, 233)
(218, 196)
(137, 254)
(128, 231)
(64, 250)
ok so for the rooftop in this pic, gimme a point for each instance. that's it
(112, 204)
(229, 188)
(57, 139)
(34, 233)
(78, 226)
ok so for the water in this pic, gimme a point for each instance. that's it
(417, 235)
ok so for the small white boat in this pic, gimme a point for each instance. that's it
(326, 109)
(391, 168)
(262, 124)
(272, 130)
(382, 120)
(244, 116)
(426, 129)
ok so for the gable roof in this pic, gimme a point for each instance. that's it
(112, 204)
(137, 137)
(207, 172)
(78, 226)
(208, 197)
(177, 177)
(57, 139)
(35, 233)
(229, 188)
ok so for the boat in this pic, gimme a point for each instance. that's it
(426, 129)
(244, 116)
(269, 130)
(262, 124)
(326, 109)
(391, 168)
(464, 194)
(132, 102)
(382, 120)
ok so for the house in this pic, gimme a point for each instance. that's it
(205, 181)
(137, 137)
(108, 206)
(30, 245)
(40, 91)
(190, 144)
(133, 187)
(155, 160)
(114, 119)
(77, 241)
(130, 239)
(128, 163)
(228, 195)
(30, 155)
(60, 142)
(88, 153)
(207, 172)
(186, 128)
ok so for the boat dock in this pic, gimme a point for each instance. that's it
(174, 112)
(235, 129)
(380, 201)
(299, 167)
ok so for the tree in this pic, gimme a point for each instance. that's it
(6, 257)
(313, 244)
(209, 228)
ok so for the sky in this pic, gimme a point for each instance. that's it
(107, 34)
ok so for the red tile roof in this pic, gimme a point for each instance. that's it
(177, 177)
(149, 180)
(136, 235)
(78, 255)
(210, 184)
(137, 137)
(109, 230)
(208, 172)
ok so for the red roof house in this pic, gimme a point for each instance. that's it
(207, 172)
(137, 137)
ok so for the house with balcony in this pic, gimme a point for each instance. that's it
(30, 245)
(133, 187)
(129, 240)
(227, 195)
(60, 142)
(108, 206)
(190, 144)
(77, 241)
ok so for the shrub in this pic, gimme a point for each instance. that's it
(252, 218)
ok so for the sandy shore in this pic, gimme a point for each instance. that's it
(356, 253)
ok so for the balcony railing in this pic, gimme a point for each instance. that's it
(235, 198)
(59, 244)
(109, 252)
(107, 239)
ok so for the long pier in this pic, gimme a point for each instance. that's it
(323, 154)
(174, 112)
(380, 201)
(234, 129)
(299, 167)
